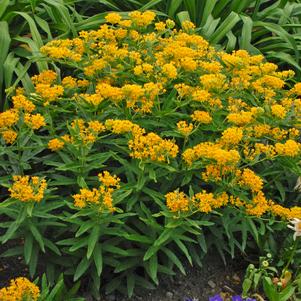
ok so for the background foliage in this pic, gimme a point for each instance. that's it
(269, 27)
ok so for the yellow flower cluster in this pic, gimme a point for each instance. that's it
(201, 117)
(177, 201)
(211, 151)
(231, 136)
(122, 126)
(290, 148)
(82, 133)
(249, 179)
(203, 201)
(184, 128)
(21, 111)
(35, 121)
(65, 49)
(20, 289)
(101, 197)
(142, 19)
(21, 102)
(151, 146)
(28, 188)
(207, 202)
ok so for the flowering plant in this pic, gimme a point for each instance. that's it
(158, 146)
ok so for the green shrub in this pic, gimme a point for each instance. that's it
(148, 147)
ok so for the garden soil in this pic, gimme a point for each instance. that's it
(197, 285)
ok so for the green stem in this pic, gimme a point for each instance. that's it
(291, 256)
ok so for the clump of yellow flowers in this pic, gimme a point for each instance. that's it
(100, 197)
(28, 188)
(165, 96)
(20, 289)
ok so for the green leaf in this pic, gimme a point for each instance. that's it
(113, 285)
(130, 280)
(224, 28)
(172, 256)
(165, 235)
(202, 242)
(50, 245)
(55, 290)
(191, 8)
(81, 268)
(5, 41)
(3, 6)
(173, 7)
(97, 257)
(183, 248)
(150, 4)
(37, 235)
(209, 6)
(150, 252)
(138, 238)
(153, 268)
(82, 242)
(28, 247)
(86, 226)
(93, 239)
(269, 289)
(183, 16)
(13, 252)
(246, 285)
(33, 261)
(10, 232)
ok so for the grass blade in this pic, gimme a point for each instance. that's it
(225, 27)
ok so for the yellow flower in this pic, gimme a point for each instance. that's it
(46, 77)
(35, 121)
(122, 126)
(113, 18)
(28, 188)
(55, 144)
(259, 205)
(290, 148)
(107, 180)
(170, 71)
(21, 102)
(177, 201)
(201, 95)
(184, 128)
(160, 26)
(101, 197)
(201, 117)
(170, 23)
(69, 82)
(279, 111)
(213, 81)
(241, 118)
(208, 150)
(142, 19)
(204, 201)
(251, 180)
(232, 135)
(153, 147)
(20, 289)
(8, 118)
(96, 126)
(49, 93)
(9, 136)
(187, 25)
